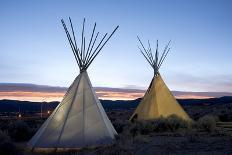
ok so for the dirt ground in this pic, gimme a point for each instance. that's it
(163, 144)
(172, 144)
(180, 142)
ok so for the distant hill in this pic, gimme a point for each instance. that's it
(210, 101)
(26, 106)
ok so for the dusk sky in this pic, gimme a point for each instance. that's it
(34, 48)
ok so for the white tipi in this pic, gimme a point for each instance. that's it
(79, 120)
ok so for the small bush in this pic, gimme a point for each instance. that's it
(6, 145)
(174, 123)
(145, 127)
(120, 125)
(207, 123)
(19, 131)
(159, 124)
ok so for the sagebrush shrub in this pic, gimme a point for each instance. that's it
(161, 124)
(207, 123)
(174, 123)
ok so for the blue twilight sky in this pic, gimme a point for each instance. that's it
(34, 48)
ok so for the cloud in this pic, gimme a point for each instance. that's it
(214, 83)
(118, 93)
(5, 87)
(124, 90)
(32, 92)
(182, 94)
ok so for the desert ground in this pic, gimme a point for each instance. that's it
(210, 132)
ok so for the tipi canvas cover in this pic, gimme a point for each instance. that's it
(79, 120)
(158, 100)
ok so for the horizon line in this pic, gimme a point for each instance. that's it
(38, 93)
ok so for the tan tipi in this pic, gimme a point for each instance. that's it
(158, 100)
(79, 120)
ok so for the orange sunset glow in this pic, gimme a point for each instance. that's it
(102, 94)
(32, 96)
(111, 95)
(57, 96)
(38, 93)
